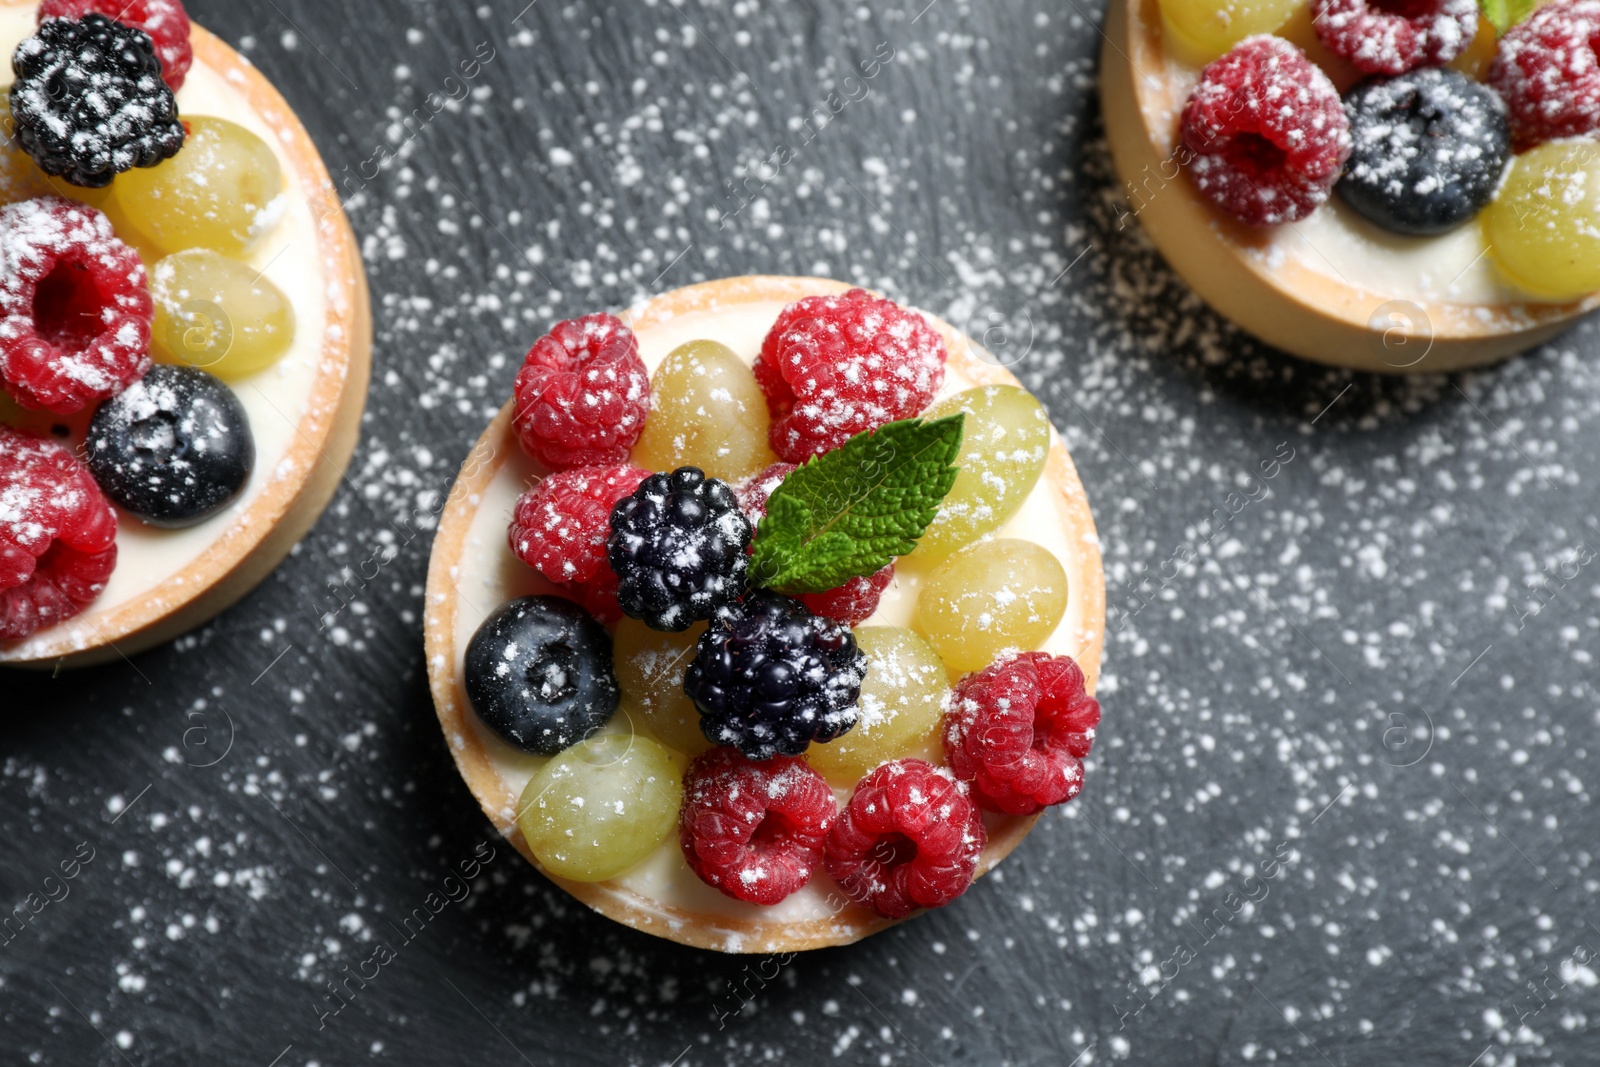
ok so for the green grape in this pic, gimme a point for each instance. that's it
(602, 806)
(902, 702)
(218, 192)
(218, 314)
(1202, 30)
(706, 411)
(991, 597)
(649, 666)
(1003, 451)
(1544, 224)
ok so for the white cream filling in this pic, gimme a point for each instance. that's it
(489, 575)
(276, 398)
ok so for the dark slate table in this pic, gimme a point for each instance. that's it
(1340, 812)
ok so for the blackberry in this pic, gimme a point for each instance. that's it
(89, 102)
(769, 677)
(1431, 147)
(679, 545)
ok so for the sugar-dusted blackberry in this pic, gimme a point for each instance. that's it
(679, 545)
(1431, 147)
(770, 677)
(89, 102)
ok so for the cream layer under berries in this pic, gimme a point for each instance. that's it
(772, 837)
(1415, 151)
(180, 315)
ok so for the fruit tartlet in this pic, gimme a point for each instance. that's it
(1386, 186)
(185, 336)
(766, 614)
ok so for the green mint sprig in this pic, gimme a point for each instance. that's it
(851, 511)
(1504, 14)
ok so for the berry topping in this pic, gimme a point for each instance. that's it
(754, 490)
(172, 449)
(852, 602)
(834, 366)
(1394, 36)
(89, 102)
(1430, 149)
(909, 838)
(1267, 132)
(75, 306)
(164, 20)
(561, 524)
(1018, 731)
(582, 394)
(1548, 70)
(754, 830)
(538, 673)
(679, 545)
(769, 677)
(58, 535)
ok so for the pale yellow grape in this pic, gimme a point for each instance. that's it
(902, 702)
(1005, 442)
(218, 314)
(1544, 224)
(599, 808)
(1202, 30)
(649, 666)
(219, 192)
(989, 598)
(706, 411)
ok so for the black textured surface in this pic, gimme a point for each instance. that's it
(1424, 557)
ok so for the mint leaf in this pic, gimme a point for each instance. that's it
(849, 512)
(1504, 14)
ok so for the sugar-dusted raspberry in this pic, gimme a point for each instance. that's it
(1018, 731)
(754, 830)
(582, 394)
(165, 21)
(834, 366)
(909, 838)
(598, 596)
(58, 535)
(854, 601)
(1394, 36)
(1267, 133)
(1548, 70)
(75, 306)
(754, 490)
(560, 526)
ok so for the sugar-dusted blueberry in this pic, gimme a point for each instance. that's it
(538, 673)
(172, 449)
(1430, 149)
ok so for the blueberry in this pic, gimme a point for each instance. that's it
(538, 673)
(172, 449)
(1430, 149)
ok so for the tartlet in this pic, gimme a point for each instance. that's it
(1333, 287)
(304, 410)
(473, 570)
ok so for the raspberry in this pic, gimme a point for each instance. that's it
(1018, 730)
(582, 394)
(560, 525)
(164, 20)
(909, 838)
(58, 535)
(854, 601)
(754, 830)
(770, 678)
(754, 490)
(834, 366)
(1267, 133)
(89, 102)
(1394, 36)
(75, 307)
(598, 597)
(1548, 71)
(680, 547)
